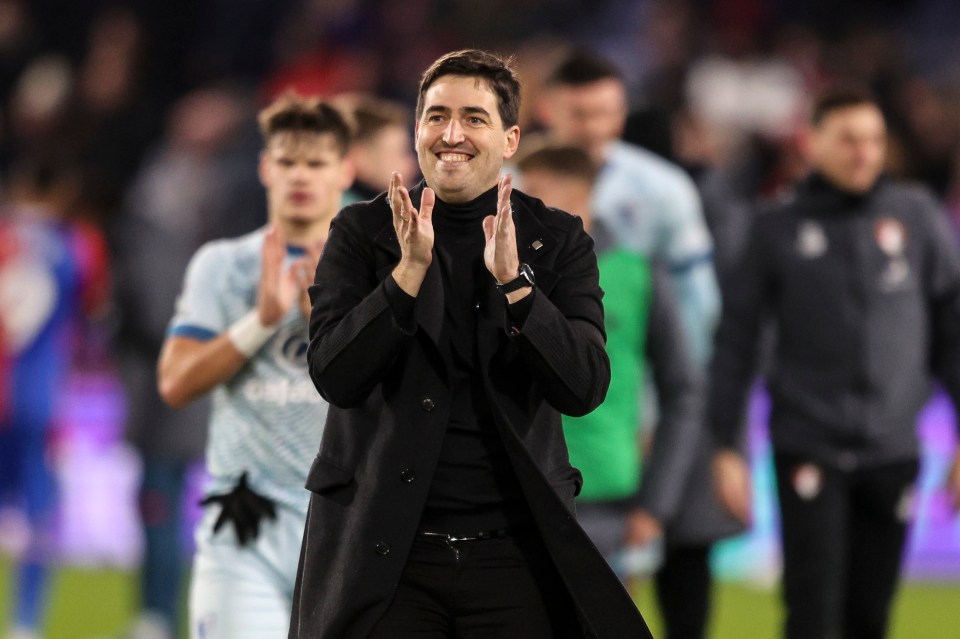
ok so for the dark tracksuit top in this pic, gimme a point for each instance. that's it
(864, 292)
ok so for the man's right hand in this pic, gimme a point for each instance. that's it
(731, 476)
(279, 288)
(414, 233)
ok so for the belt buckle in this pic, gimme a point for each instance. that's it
(452, 538)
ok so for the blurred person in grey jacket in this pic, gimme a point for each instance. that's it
(860, 276)
(195, 187)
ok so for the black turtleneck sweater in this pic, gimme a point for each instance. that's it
(474, 487)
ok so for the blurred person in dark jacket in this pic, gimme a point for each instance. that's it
(860, 276)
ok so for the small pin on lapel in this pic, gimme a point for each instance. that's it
(537, 245)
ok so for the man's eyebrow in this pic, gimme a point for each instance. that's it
(467, 110)
(474, 109)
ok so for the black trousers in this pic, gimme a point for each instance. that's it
(505, 587)
(683, 587)
(843, 536)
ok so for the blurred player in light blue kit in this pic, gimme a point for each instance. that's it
(240, 331)
(53, 275)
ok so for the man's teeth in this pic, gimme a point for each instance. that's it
(454, 157)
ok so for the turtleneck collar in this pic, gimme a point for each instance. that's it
(469, 213)
(818, 184)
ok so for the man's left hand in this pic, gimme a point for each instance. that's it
(500, 254)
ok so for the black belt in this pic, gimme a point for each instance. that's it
(496, 533)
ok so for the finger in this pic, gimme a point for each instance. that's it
(503, 196)
(210, 499)
(504, 207)
(392, 188)
(307, 272)
(272, 253)
(489, 227)
(221, 520)
(396, 204)
(268, 509)
(427, 201)
(242, 534)
(407, 208)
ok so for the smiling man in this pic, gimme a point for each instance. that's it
(240, 331)
(466, 318)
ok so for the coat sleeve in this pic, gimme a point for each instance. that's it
(737, 340)
(678, 385)
(943, 293)
(354, 336)
(562, 338)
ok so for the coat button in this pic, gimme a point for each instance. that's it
(383, 549)
(408, 475)
(427, 404)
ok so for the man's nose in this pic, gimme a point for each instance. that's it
(453, 134)
(299, 172)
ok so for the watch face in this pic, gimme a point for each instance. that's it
(527, 273)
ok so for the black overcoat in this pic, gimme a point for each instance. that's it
(390, 400)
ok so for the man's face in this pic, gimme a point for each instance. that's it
(848, 147)
(589, 116)
(461, 140)
(305, 177)
(565, 192)
(387, 151)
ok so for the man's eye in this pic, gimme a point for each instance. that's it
(435, 118)
(476, 121)
(285, 162)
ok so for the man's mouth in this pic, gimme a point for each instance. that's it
(300, 197)
(447, 156)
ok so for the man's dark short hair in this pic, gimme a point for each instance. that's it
(565, 160)
(291, 113)
(582, 67)
(840, 96)
(473, 63)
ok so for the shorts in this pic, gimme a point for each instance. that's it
(245, 592)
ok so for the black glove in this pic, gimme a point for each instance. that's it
(244, 508)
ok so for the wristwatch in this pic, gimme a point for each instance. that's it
(523, 280)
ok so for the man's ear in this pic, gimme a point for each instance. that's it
(263, 170)
(513, 141)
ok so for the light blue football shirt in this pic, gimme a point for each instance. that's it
(268, 418)
(651, 206)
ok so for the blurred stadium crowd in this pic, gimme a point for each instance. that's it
(112, 87)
